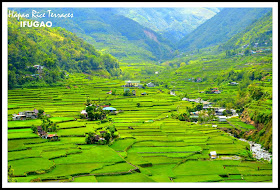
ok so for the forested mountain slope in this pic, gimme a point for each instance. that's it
(258, 34)
(56, 49)
(221, 27)
(118, 35)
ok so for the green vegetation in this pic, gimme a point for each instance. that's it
(58, 51)
(221, 27)
(154, 137)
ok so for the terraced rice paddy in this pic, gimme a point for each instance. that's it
(152, 146)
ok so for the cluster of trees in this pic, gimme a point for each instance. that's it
(197, 107)
(94, 112)
(47, 125)
(204, 116)
(128, 93)
(102, 135)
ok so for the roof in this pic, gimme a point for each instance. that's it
(213, 153)
(52, 135)
(30, 111)
(20, 115)
(83, 111)
(110, 108)
(132, 81)
(222, 117)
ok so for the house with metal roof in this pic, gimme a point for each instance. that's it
(110, 109)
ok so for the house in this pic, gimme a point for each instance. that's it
(216, 91)
(129, 83)
(214, 125)
(111, 109)
(206, 104)
(39, 129)
(39, 68)
(233, 83)
(222, 118)
(30, 114)
(19, 117)
(192, 100)
(41, 132)
(198, 80)
(102, 132)
(52, 137)
(110, 92)
(140, 86)
(36, 111)
(144, 93)
(213, 155)
(150, 84)
(133, 92)
(156, 72)
(220, 111)
(97, 138)
(172, 93)
(185, 99)
(84, 112)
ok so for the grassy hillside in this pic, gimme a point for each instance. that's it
(221, 27)
(57, 50)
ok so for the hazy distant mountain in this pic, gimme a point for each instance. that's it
(221, 27)
(172, 23)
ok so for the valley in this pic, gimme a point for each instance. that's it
(112, 98)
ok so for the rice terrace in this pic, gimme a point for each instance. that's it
(102, 104)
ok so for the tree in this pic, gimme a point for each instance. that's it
(183, 64)
(90, 139)
(138, 104)
(40, 113)
(247, 52)
(211, 114)
(11, 174)
(88, 102)
(34, 129)
(256, 92)
(114, 92)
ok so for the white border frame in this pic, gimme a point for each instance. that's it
(5, 6)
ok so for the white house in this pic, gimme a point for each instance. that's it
(213, 154)
(222, 118)
(150, 84)
(19, 117)
(220, 111)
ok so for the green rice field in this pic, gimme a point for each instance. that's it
(151, 147)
